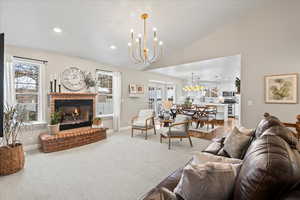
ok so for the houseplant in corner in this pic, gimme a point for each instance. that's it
(54, 123)
(11, 152)
(97, 121)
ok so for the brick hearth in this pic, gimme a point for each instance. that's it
(71, 138)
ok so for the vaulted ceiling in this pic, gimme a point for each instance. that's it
(90, 27)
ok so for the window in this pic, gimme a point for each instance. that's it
(105, 92)
(27, 85)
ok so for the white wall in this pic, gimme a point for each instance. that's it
(131, 106)
(269, 43)
(57, 63)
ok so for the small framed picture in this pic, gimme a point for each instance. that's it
(281, 88)
(140, 89)
(132, 89)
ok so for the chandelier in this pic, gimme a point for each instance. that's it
(193, 87)
(138, 50)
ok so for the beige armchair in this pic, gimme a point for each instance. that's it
(143, 122)
(179, 129)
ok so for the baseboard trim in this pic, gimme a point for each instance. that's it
(31, 147)
(125, 128)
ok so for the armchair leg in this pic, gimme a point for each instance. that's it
(154, 127)
(160, 139)
(180, 139)
(146, 135)
(190, 141)
(169, 143)
(132, 132)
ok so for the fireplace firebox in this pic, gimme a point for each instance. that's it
(75, 113)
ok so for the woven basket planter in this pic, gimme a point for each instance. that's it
(11, 159)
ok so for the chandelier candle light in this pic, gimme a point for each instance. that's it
(193, 87)
(138, 50)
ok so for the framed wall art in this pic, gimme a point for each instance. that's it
(132, 89)
(140, 89)
(281, 88)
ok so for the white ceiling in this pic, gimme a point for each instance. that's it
(90, 27)
(219, 69)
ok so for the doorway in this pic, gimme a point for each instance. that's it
(158, 92)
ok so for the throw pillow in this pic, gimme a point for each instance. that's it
(166, 194)
(208, 181)
(213, 148)
(222, 152)
(266, 123)
(285, 133)
(235, 143)
(246, 131)
(202, 158)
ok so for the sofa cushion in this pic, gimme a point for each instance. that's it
(220, 140)
(169, 182)
(293, 193)
(246, 131)
(267, 170)
(265, 124)
(285, 133)
(203, 157)
(223, 153)
(213, 148)
(212, 180)
(169, 195)
(235, 143)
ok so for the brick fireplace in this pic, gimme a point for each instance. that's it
(78, 109)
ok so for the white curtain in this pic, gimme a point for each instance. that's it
(117, 92)
(9, 91)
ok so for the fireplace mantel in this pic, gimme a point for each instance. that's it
(70, 94)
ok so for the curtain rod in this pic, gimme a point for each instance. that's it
(43, 61)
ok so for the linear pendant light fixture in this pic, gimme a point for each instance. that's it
(138, 50)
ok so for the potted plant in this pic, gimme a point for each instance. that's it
(97, 121)
(90, 82)
(188, 102)
(238, 85)
(54, 123)
(11, 152)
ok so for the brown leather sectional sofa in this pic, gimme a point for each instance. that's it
(270, 170)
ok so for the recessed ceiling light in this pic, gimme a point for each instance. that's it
(113, 47)
(57, 30)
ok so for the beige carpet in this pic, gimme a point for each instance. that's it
(119, 168)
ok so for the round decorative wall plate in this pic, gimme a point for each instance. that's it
(73, 79)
